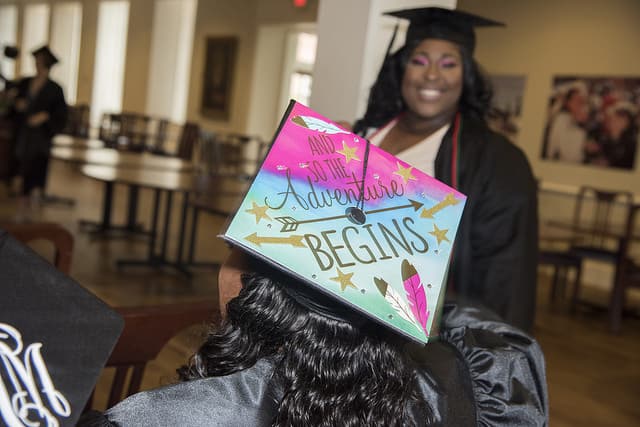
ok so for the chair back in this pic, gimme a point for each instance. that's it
(77, 121)
(627, 270)
(57, 235)
(188, 139)
(111, 128)
(231, 154)
(159, 135)
(598, 211)
(147, 329)
(627, 267)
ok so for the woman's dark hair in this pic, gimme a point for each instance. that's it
(333, 373)
(385, 98)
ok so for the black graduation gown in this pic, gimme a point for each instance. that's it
(35, 142)
(482, 372)
(496, 249)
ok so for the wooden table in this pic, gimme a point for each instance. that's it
(76, 142)
(161, 182)
(123, 160)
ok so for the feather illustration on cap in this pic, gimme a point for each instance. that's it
(395, 300)
(415, 294)
(314, 123)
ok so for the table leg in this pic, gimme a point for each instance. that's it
(183, 226)
(192, 243)
(152, 259)
(105, 226)
(107, 200)
(167, 222)
(192, 237)
(154, 224)
(132, 211)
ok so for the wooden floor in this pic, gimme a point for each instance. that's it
(593, 376)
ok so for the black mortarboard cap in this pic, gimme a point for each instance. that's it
(55, 337)
(11, 52)
(445, 24)
(50, 58)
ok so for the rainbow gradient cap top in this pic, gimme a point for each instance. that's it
(352, 221)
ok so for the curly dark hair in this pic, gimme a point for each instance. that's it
(385, 98)
(334, 373)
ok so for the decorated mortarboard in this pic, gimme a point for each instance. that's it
(446, 24)
(55, 338)
(352, 221)
(49, 57)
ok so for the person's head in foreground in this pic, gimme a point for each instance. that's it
(433, 75)
(288, 355)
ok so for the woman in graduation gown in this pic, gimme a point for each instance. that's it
(427, 107)
(41, 112)
(288, 355)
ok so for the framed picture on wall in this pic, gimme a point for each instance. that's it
(593, 121)
(219, 70)
(506, 105)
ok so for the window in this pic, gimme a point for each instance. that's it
(35, 33)
(111, 46)
(300, 55)
(65, 43)
(8, 33)
(171, 47)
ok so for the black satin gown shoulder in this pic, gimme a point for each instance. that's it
(481, 372)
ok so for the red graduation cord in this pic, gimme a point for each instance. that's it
(454, 152)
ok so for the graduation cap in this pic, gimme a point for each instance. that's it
(11, 52)
(370, 233)
(445, 24)
(55, 337)
(49, 58)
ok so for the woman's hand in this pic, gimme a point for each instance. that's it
(38, 118)
(20, 104)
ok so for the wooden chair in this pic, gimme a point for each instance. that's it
(159, 136)
(111, 128)
(627, 271)
(231, 154)
(187, 141)
(595, 225)
(147, 330)
(554, 251)
(562, 261)
(77, 121)
(59, 236)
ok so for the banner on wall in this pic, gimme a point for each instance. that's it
(593, 121)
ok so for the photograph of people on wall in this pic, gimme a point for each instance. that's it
(593, 121)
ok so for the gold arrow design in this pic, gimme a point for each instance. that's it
(449, 200)
(293, 240)
(292, 224)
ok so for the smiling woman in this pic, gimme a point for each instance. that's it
(428, 107)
